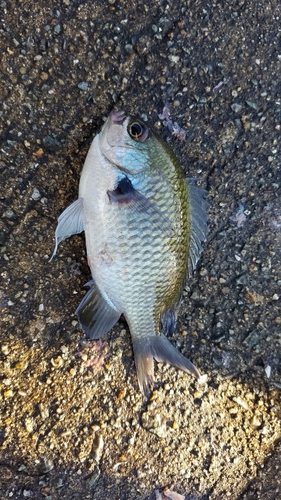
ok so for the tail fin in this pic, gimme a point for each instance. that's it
(158, 347)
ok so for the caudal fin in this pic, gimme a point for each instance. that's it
(161, 349)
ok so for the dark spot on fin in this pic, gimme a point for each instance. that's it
(123, 193)
(70, 222)
(158, 347)
(95, 314)
(199, 222)
(169, 321)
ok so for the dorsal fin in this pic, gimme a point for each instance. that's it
(199, 222)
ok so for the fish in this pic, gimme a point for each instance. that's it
(144, 225)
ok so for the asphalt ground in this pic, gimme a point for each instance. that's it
(72, 421)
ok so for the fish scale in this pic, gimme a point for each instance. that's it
(144, 224)
(139, 236)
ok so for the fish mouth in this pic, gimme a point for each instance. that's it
(117, 116)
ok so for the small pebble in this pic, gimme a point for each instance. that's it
(9, 393)
(255, 422)
(29, 424)
(57, 362)
(202, 379)
(236, 107)
(83, 86)
(36, 194)
(241, 403)
(27, 493)
(57, 29)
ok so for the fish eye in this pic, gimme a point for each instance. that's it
(138, 131)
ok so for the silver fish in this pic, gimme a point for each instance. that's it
(144, 224)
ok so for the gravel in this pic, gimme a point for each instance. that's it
(72, 421)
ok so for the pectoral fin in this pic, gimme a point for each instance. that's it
(124, 193)
(96, 315)
(70, 222)
(127, 197)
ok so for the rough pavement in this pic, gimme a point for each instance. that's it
(72, 421)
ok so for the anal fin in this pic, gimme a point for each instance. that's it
(70, 222)
(95, 314)
(169, 321)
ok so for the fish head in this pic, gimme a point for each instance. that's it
(127, 142)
